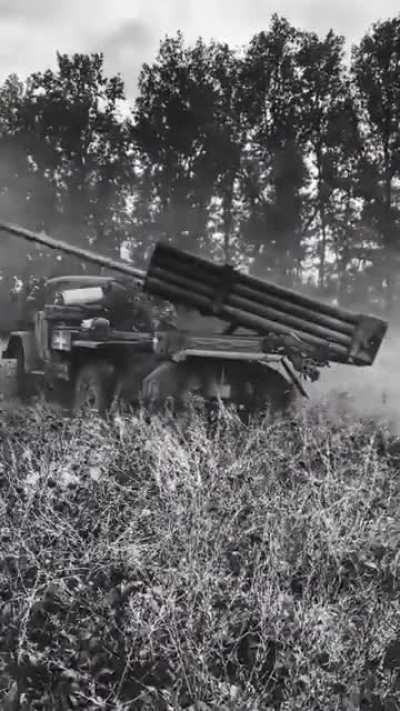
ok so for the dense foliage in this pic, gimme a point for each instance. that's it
(153, 566)
(279, 156)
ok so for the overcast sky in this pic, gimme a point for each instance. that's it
(129, 31)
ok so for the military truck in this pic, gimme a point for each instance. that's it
(235, 338)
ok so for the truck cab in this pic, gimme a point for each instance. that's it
(71, 323)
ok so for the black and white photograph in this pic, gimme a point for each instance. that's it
(199, 355)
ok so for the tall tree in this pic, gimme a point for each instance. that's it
(65, 157)
(225, 141)
(329, 127)
(375, 68)
(187, 138)
(25, 195)
(274, 173)
(77, 143)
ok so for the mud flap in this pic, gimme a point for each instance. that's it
(166, 382)
(8, 378)
(130, 378)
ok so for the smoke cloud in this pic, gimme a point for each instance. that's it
(372, 391)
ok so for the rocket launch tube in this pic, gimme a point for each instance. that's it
(208, 272)
(85, 254)
(248, 320)
(252, 306)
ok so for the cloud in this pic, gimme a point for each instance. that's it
(27, 11)
(129, 31)
(143, 23)
(124, 51)
(351, 19)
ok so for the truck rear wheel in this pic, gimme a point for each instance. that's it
(93, 388)
(253, 388)
(266, 388)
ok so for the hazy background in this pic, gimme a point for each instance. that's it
(371, 391)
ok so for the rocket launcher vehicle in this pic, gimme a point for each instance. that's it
(317, 329)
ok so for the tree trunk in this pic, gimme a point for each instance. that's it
(322, 253)
(323, 241)
(228, 219)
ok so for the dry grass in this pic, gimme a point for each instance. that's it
(151, 566)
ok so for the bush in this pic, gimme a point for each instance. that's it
(156, 565)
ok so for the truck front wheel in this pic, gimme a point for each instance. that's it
(24, 385)
(93, 387)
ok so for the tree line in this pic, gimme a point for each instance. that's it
(281, 157)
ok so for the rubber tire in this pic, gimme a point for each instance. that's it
(93, 387)
(271, 390)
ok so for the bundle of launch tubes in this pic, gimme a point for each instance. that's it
(261, 306)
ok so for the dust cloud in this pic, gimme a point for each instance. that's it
(371, 391)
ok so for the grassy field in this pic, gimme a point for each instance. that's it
(156, 566)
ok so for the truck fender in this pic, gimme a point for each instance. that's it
(25, 341)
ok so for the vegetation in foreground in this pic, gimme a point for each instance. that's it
(151, 566)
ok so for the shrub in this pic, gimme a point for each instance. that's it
(158, 565)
